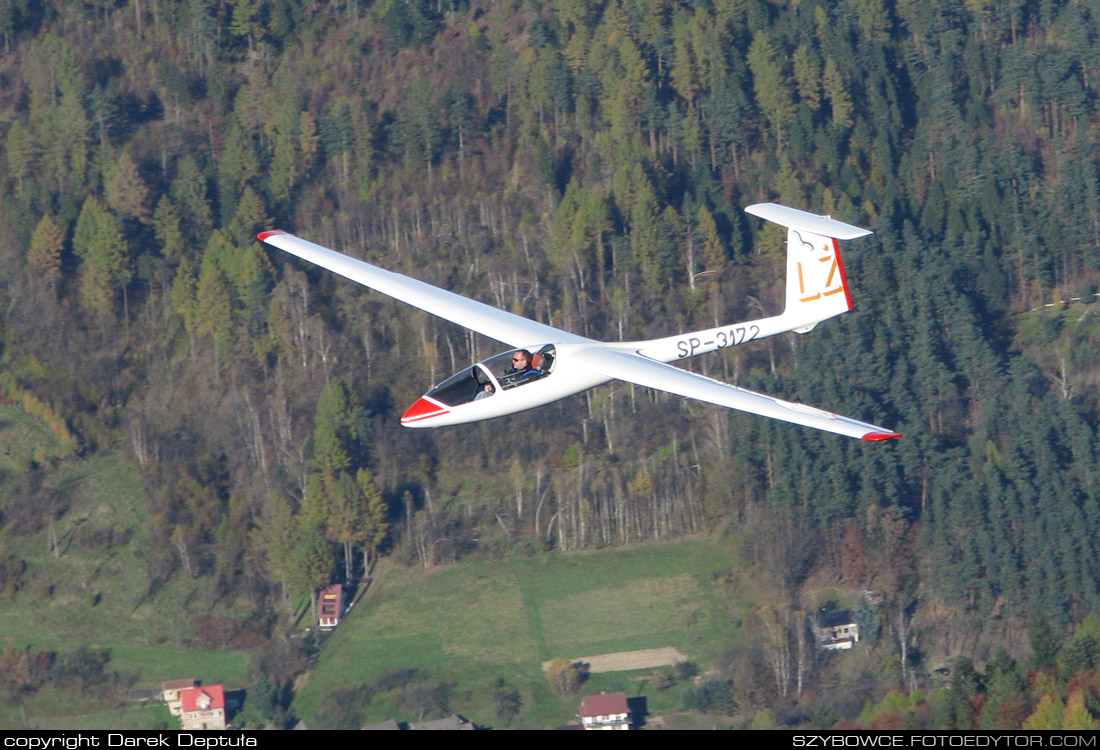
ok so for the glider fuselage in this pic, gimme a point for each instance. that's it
(485, 391)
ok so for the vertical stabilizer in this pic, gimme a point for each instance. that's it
(817, 288)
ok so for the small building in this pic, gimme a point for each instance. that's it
(202, 708)
(836, 630)
(170, 693)
(605, 711)
(331, 607)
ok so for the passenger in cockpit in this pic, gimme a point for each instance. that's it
(485, 392)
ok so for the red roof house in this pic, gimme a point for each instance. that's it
(331, 607)
(203, 707)
(605, 711)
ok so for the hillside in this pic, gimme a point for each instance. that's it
(226, 419)
(445, 639)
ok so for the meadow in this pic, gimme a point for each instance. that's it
(97, 590)
(461, 629)
(464, 627)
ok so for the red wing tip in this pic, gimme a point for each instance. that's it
(876, 437)
(262, 236)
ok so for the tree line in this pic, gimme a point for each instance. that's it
(584, 164)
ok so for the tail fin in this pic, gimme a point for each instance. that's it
(817, 288)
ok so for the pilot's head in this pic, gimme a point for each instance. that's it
(521, 360)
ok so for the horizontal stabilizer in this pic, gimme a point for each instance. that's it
(806, 221)
(817, 288)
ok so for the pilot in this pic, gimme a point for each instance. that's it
(521, 362)
(522, 370)
(485, 392)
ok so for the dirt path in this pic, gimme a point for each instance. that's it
(623, 661)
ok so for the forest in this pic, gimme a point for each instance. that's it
(584, 164)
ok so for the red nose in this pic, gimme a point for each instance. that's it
(424, 408)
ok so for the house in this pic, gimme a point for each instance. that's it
(170, 692)
(331, 607)
(605, 711)
(836, 630)
(202, 708)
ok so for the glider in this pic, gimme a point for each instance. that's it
(547, 363)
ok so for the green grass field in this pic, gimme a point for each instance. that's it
(101, 597)
(464, 626)
(470, 624)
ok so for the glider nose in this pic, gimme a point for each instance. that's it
(422, 410)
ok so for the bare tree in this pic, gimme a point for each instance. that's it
(775, 625)
(901, 621)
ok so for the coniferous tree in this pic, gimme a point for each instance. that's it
(126, 192)
(166, 226)
(44, 253)
(100, 243)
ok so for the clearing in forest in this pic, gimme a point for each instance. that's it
(467, 626)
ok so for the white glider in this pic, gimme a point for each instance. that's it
(548, 363)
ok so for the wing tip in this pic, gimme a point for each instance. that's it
(263, 236)
(877, 437)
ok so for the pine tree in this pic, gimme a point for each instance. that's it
(20, 151)
(125, 190)
(278, 533)
(237, 166)
(345, 521)
(1076, 717)
(282, 173)
(44, 253)
(1049, 714)
(250, 217)
(189, 192)
(836, 92)
(101, 245)
(213, 312)
(166, 227)
(336, 431)
(773, 91)
(375, 520)
(311, 562)
(807, 74)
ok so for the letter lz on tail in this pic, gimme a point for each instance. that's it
(817, 290)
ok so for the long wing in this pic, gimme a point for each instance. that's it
(487, 320)
(634, 368)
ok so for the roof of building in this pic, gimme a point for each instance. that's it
(835, 618)
(604, 704)
(331, 600)
(178, 684)
(189, 698)
(388, 724)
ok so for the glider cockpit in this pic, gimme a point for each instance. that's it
(482, 382)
